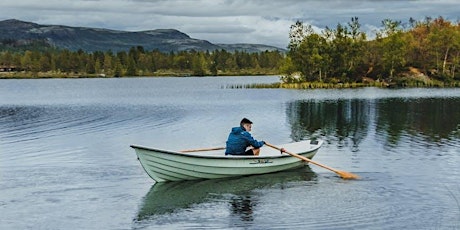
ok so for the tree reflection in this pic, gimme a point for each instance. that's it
(345, 122)
(348, 122)
(433, 118)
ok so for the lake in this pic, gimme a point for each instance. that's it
(65, 160)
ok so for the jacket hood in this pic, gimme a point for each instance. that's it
(238, 129)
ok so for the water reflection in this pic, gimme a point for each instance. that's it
(347, 122)
(343, 121)
(243, 207)
(433, 119)
(239, 193)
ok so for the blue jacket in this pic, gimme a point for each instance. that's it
(239, 139)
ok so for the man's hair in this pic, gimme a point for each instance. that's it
(245, 121)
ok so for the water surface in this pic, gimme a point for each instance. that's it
(65, 158)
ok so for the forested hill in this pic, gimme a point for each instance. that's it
(15, 33)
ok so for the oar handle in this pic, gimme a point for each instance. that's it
(201, 150)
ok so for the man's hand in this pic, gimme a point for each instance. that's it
(282, 150)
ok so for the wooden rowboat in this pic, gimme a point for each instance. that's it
(164, 165)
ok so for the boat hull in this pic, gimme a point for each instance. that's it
(163, 165)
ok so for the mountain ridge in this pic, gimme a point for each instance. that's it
(101, 39)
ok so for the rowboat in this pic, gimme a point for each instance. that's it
(166, 165)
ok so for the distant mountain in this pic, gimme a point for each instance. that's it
(94, 39)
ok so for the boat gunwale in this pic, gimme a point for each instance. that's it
(233, 157)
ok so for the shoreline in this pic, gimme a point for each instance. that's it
(23, 75)
(278, 85)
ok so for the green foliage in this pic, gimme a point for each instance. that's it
(428, 49)
(138, 62)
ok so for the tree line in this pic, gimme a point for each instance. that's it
(139, 62)
(417, 51)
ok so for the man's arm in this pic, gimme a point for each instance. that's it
(253, 142)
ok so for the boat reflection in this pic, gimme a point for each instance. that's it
(170, 197)
(243, 206)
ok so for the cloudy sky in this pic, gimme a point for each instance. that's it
(225, 21)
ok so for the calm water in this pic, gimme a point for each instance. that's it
(65, 161)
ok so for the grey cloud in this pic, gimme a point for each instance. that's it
(223, 21)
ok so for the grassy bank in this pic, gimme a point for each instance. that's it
(322, 85)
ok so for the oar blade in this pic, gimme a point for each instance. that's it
(347, 175)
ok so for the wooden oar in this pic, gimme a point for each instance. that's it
(201, 150)
(343, 174)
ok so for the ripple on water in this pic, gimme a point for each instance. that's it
(52, 134)
(28, 122)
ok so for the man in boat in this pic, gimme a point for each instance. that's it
(240, 138)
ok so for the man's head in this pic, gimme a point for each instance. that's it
(246, 124)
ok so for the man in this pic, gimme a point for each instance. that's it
(240, 138)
